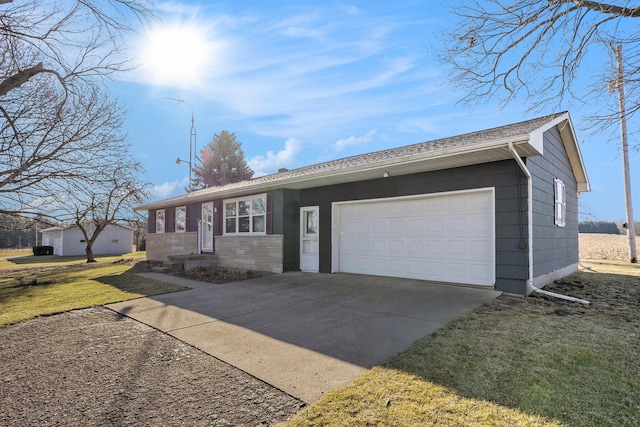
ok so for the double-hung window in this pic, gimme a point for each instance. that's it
(160, 221)
(181, 219)
(245, 215)
(560, 197)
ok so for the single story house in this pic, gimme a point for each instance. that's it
(495, 208)
(69, 240)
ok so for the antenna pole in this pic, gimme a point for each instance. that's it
(192, 148)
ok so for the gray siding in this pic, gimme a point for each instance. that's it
(554, 247)
(511, 253)
(285, 220)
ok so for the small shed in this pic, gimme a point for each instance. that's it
(69, 240)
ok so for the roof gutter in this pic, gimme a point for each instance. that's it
(530, 286)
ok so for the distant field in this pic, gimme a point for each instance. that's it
(8, 253)
(604, 246)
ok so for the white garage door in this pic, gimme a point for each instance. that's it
(445, 237)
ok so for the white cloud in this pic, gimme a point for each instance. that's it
(355, 140)
(168, 189)
(271, 162)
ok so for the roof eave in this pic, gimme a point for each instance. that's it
(411, 164)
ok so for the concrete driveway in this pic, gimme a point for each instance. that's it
(304, 333)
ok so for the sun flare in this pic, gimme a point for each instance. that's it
(177, 55)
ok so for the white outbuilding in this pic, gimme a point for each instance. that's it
(69, 240)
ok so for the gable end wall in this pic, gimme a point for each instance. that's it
(555, 249)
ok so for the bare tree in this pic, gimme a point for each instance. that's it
(544, 51)
(55, 118)
(109, 199)
(46, 149)
(69, 40)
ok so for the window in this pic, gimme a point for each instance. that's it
(160, 221)
(246, 215)
(560, 202)
(181, 219)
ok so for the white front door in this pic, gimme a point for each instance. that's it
(207, 227)
(309, 239)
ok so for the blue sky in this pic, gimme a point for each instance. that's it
(305, 82)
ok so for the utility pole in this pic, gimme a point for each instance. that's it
(618, 85)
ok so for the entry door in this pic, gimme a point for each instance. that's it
(309, 242)
(207, 227)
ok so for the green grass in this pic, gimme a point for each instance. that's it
(514, 361)
(67, 283)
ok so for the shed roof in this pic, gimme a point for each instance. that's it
(483, 146)
(66, 227)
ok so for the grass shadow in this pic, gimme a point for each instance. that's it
(131, 283)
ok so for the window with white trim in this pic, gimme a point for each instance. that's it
(181, 219)
(560, 202)
(246, 215)
(160, 221)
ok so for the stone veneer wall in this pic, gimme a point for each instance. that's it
(260, 253)
(159, 245)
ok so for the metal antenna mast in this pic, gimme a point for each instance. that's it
(192, 144)
(192, 148)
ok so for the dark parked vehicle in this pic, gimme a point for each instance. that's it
(43, 250)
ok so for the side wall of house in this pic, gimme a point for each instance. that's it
(555, 248)
(504, 176)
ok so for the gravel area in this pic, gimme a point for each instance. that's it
(93, 367)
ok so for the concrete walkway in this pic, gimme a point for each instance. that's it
(304, 333)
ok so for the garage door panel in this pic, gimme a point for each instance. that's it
(456, 248)
(434, 206)
(448, 237)
(396, 266)
(433, 247)
(395, 247)
(378, 247)
(435, 270)
(413, 226)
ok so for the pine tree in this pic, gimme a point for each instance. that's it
(221, 162)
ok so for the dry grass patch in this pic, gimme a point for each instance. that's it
(514, 361)
(30, 289)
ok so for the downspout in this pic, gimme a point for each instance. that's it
(530, 286)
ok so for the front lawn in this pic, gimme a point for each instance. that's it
(32, 286)
(514, 361)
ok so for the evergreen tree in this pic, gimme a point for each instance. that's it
(221, 162)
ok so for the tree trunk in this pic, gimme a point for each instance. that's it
(89, 251)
